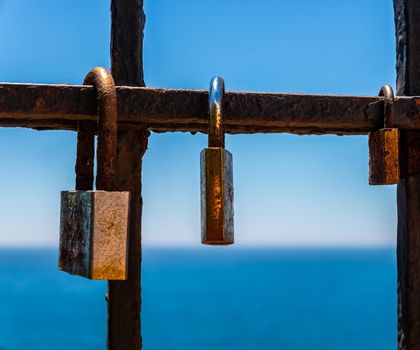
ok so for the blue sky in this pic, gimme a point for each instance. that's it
(289, 190)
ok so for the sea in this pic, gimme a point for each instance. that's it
(210, 298)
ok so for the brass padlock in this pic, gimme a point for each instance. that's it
(384, 166)
(94, 224)
(216, 176)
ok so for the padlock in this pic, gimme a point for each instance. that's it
(216, 176)
(384, 166)
(94, 224)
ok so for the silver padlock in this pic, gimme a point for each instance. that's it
(94, 224)
(216, 176)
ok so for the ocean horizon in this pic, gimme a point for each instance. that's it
(211, 298)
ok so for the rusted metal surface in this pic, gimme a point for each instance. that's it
(384, 168)
(408, 243)
(407, 13)
(124, 297)
(106, 154)
(94, 224)
(217, 227)
(93, 234)
(75, 233)
(161, 110)
(383, 157)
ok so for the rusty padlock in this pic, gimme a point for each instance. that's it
(384, 166)
(94, 224)
(216, 176)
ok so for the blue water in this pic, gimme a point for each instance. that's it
(210, 299)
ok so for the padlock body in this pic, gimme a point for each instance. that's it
(383, 157)
(216, 196)
(94, 234)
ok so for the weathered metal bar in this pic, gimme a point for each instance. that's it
(407, 13)
(124, 297)
(162, 110)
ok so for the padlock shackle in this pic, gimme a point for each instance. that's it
(388, 94)
(106, 151)
(215, 130)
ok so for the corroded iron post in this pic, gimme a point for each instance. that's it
(124, 297)
(407, 14)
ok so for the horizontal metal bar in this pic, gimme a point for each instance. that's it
(162, 110)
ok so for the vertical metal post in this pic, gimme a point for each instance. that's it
(407, 14)
(124, 297)
(85, 156)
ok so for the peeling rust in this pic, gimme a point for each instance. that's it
(407, 13)
(167, 110)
